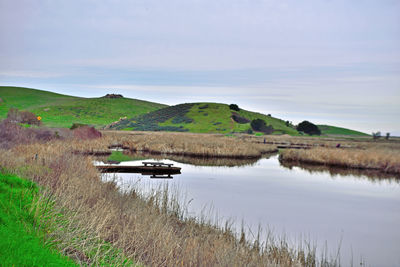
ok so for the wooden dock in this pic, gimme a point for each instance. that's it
(147, 168)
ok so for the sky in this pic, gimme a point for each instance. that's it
(331, 62)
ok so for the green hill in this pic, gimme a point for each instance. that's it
(59, 110)
(333, 130)
(201, 118)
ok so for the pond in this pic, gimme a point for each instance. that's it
(355, 215)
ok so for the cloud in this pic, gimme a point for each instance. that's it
(322, 59)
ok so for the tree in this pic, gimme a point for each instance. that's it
(234, 107)
(376, 135)
(308, 128)
(260, 126)
(387, 136)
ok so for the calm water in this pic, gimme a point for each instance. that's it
(359, 215)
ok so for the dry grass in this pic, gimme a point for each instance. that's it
(154, 230)
(374, 158)
(150, 230)
(188, 144)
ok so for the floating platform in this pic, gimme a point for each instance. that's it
(147, 168)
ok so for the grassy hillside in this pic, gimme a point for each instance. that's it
(200, 118)
(332, 130)
(59, 110)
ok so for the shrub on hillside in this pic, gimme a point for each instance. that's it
(86, 132)
(234, 107)
(308, 128)
(77, 125)
(204, 106)
(181, 119)
(12, 134)
(239, 119)
(259, 125)
(23, 116)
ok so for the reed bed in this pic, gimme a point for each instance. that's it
(374, 158)
(153, 230)
(188, 144)
(327, 142)
(150, 230)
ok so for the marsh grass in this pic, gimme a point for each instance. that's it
(99, 220)
(188, 144)
(151, 230)
(384, 160)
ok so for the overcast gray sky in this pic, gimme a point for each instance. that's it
(327, 61)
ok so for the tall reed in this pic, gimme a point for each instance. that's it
(385, 160)
(149, 230)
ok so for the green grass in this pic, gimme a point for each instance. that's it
(332, 130)
(120, 156)
(27, 218)
(59, 110)
(20, 239)
(201, 118)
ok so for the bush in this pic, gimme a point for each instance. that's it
(86, 132)
(77, 125)
(308, 128)
(12, 134)
(376, 135)
(204, 107)
(23, 116)
(234, 107)
(239, 119)
(260, 126)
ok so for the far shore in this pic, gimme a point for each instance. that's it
(355, 152)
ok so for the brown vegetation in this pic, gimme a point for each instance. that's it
(151, 230)
(86, 132)
(188, 144)
(23, 117)
(385, 160)
(154, 229)
(12, 134)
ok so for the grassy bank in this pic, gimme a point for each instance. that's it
(34, 231)
(21, 234)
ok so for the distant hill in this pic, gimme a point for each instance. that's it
(201, 118)
(333, 130)
(59, 110)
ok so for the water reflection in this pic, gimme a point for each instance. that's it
(357, 212)
(198, 161)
